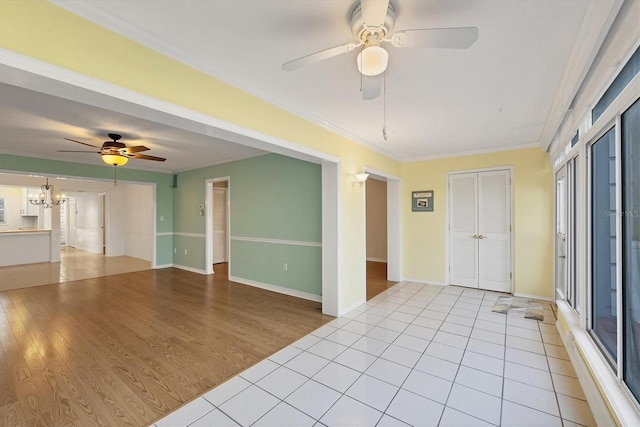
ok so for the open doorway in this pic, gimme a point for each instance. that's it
(382, 234)
(217, 225)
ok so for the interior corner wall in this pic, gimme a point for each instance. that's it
(424, 233)
(376, 194)
(275, 219)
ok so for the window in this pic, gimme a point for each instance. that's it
(3, 211)
(603, 242)
(575, 139)
(631, 247)
(631, 68)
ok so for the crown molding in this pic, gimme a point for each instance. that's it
(92, 12)
(471, 153)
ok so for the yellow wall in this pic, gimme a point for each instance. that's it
(48, 33)
(424, 233)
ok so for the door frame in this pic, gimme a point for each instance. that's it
(394, 231)
(208, 222)
(225, 191)
(511, 215)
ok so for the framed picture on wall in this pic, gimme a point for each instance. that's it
(422, 201)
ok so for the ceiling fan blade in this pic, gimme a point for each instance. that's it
(374, 12)
(319, 56)
(145, 157)
(135, 149)
(447, 38)
(76, 151)
(83, 143)
(371, 87)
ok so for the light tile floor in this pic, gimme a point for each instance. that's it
(414, 355)
(74, 265)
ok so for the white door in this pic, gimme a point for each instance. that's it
(480, 230)
(494, 230)
(72, 223)
(463, 223)
(219, 225)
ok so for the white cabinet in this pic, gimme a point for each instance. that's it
(29, 209)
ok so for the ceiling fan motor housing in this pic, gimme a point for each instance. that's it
(115, 145)
(363, 32)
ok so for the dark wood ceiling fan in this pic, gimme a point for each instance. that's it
(114, 152)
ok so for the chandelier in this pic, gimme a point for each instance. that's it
(46, 198)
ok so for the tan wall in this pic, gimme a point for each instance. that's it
(376, 220)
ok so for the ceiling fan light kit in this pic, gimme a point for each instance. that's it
(115, 159)
(372, 61)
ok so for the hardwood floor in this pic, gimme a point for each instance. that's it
(125, 350)
(74, 265)
(377, 278)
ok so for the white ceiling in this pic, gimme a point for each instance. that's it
(496, 95)
(35, 124)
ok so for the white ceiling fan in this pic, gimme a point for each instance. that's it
(371, 24)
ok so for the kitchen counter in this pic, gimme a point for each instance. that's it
(24, 247)
(24, 231)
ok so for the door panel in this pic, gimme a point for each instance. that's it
(494, 205)
(495, 255)
(463, 246)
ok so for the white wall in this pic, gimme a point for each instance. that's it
(89, 222)
(139, 221)
(13, 205)
(117, 213)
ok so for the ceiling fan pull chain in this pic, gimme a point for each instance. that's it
(384, 106)
(115, 175)
(361, 77)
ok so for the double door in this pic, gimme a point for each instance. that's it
(480, 230)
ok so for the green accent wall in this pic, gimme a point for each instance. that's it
(194, 257)
(264, 262)
(271, 197)
(164, 196)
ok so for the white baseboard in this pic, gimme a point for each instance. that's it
(351, 307)
(157, 267)
(530, 296)
(424, 282)
(376, 259)
(278, 289)
(191, 269)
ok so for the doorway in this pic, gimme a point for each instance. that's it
(220, 223)
(479, 217)
(561, 233)
(376, 235)
(217, 224)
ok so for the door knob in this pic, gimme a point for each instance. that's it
(475, 236)
(481, 237)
